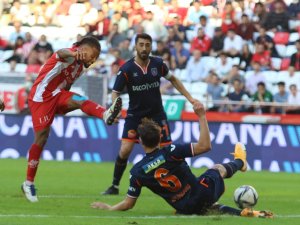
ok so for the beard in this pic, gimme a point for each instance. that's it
(143, 55)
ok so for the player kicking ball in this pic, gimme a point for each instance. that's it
(50, 95)
(166, 173)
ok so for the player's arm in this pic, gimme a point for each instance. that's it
(204, 143)
(119, 84)
(127, 203)
(2, 105)
(180, 87)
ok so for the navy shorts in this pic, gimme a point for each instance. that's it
(210, 189)
(132, 123)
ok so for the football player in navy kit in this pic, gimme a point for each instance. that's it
(141, 76)
(165, 172)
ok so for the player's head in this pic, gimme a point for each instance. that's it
(143, 45)
(92, 47)
(149, 133)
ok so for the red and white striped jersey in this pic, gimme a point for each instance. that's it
(55, 75)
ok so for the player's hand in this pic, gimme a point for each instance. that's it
(80, 54)
(2, 105)
(193, 101)
(199, 109)
(100, 205)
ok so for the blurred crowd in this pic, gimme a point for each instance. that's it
(230, 48)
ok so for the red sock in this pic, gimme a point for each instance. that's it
(33, 161)
(92, 109)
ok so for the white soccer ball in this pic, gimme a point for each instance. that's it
(245, 196)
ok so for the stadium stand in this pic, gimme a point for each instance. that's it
(64, 22)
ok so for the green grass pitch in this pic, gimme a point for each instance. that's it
(66, 190)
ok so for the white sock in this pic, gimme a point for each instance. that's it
(28, 183)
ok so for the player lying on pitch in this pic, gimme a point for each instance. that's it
(166, 173)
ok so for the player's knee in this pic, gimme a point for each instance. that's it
(42, 137)
(220, 168)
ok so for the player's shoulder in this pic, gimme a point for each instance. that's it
(127, 65)
(156, 59)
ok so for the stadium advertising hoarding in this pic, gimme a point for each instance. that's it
(270, 146)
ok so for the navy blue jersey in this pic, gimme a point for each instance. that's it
(166, 173)
(143, 86)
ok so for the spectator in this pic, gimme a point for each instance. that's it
(239, 94)
(196, 68)
(91, 14)
(217, 43)
(261, 96)
(292, 78)
(136, 14)
(263, 37)
(234, 74)
(262, 56)
(126, 53)
(233, 44)
(228, 24)
(246, 28)
(295, 58)
(180, 55)
(29, 44)
(194, 13)
(259, 15)
(223, 65)
(117, 54)
(20, 12)
(122, 22)
(44, 13)
(202, 42)
(175, 10)
(115, 37)
(245, 58)
(208, 29)
(277, 20)
(161, 49)
(178, 28)
(174, 35)
(293, 100)
(154, 28)
(17, 33)
(18, 55)
(243, 8)
(102, 25)
(255, 77)
(161, 13)
(280, 97)
(214, 91)
(41, 52)
(294, 9)
(3, 43)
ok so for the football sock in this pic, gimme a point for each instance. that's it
(92, 109)
(120, 166)
(224, 209)
(232, 167)
(33, 162)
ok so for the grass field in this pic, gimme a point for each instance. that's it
(66, 190)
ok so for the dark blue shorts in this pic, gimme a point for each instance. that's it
(210, 189)
(132, 123)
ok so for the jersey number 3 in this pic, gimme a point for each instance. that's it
(170, 182)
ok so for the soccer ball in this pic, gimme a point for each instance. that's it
(245, 196)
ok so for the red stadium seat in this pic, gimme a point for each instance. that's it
(281, 38)
(285, 63)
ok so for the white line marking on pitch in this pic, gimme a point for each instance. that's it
(127, 217)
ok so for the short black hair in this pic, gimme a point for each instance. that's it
(143, 36)
(261, 84)
(89, 40)
(281, 83)
(149, 132)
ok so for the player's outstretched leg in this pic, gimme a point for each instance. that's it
(240, 153)
(29, 192)
(111, 114)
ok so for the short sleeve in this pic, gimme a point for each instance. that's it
(165, 71)
(180, 152)
(121, 80)
(135, 187)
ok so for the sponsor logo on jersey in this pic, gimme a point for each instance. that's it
(154, 164)
(145, 87)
